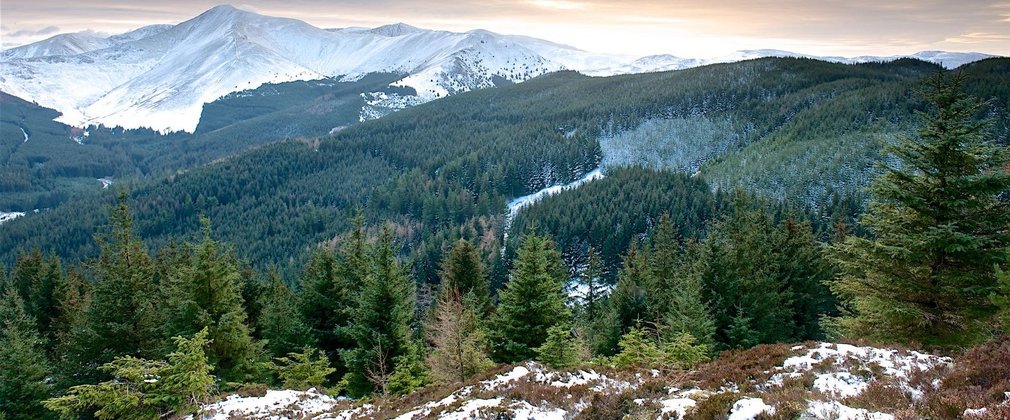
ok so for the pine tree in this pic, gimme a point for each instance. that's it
(684, 352)
(381, 321)
(458, 340)
(24, 370)
(938, 229)
(463, 271)
(531, 302)
(559, 350)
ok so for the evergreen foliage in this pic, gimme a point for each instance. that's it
(24, 369)
(307, 369)
(145, 389)
(938, 229)
(380, 321)
(531, 302)
(559, 350)
(204, 291)
(280, 323)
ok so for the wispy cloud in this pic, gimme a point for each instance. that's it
(34, 32)
(559, 4)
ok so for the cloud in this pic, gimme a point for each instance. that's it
(559, 4)
(34, 32)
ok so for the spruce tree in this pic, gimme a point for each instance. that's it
(559, 350)
(204, 292)
(329, 285)
(687, 312)
(24, 369)
(463, 273)
(938, 229)
(592, 284)
(302, 370)
(380, 321)
(627, 305)
(280, 323)
(122, 319)
(531, 302)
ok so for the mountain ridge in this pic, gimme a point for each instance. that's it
(160, 76)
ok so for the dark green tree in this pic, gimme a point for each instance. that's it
(463, 273)
(123, 318)
(380, 321)
(531, 302)
(24, 369)
(280, 323)
(204, 291)
(939, 229)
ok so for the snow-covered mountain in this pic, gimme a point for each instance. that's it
(160, 76)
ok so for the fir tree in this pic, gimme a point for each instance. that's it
(531, 302)
(303, 370)
(204, 292)
(381, 322)
(463, 272)
(938, 229)
(122, 319)
(24, 370)
(559, 350)
(280, 322)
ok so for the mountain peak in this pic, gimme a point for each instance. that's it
(395, 29)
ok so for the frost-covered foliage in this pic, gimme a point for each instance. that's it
(679, 144)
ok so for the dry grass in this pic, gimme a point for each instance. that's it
(744, 368)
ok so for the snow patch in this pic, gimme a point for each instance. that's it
(298, 404)
(749, 408)
(838, 411)
(25, 133)
(8, 216)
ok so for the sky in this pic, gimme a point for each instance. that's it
(688, 28)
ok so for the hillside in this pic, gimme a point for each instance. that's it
(797, 129)
(807, 381)
(44, 163)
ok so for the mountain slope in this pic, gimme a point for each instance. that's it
(160, 76)
(450, 166)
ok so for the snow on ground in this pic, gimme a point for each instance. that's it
(25, 133)
(294, 404)
(6, 217)
(106, 182)
(749, 408)
(522, 391)
(844, 359)
(838, 411)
